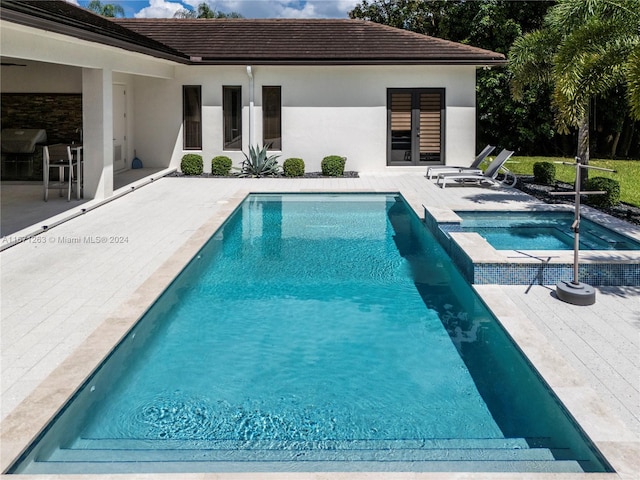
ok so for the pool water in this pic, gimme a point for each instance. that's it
(540, 231)
(315, 332)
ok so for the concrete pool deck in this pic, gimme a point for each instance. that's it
(68, 295)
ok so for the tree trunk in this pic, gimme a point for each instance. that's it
(583, 148)
(618, 138)
(614, 145)
(626, 144)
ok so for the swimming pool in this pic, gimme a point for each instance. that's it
(539, 231)
(310, 333)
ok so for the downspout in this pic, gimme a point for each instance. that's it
(251, 105)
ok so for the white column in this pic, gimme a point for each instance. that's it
(251, 106)
(97, 124)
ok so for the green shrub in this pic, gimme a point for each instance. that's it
(544, 173)
(609, 185)
(293, 167)
(221, 165)
(333, 166)
(191, 164)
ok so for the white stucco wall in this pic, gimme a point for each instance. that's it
(38, 77)
(326, 110)
(338, 110)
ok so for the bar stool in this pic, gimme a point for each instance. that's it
(58, 156)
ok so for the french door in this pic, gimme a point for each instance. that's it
(415, 126)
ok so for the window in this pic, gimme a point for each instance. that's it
(192, 117)
(272, 117)
(232, 113)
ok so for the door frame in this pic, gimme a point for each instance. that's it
(117, 88)
(415, 127)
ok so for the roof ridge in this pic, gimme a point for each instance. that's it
(293, 20)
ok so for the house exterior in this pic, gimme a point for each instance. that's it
(385, 98)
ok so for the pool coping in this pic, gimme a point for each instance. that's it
(27, 420)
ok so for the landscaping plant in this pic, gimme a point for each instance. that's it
(293, 167)
(221, 166)
(544, 173)
(259, 164)
(609, 199)
(191, 164)
(333, 166)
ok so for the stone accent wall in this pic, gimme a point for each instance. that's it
(60, 114)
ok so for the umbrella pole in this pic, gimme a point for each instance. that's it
(575, 292)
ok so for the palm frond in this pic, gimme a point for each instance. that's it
(589, 61)
(567, 15)
(530, 60)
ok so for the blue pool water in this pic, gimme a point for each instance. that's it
(315, 332)
(540, 231)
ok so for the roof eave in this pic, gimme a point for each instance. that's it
(351, 61)
(53, 26)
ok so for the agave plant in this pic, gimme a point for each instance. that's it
(258, 163)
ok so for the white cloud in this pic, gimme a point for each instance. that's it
(257, 8)
(333, 8)
(159, 9)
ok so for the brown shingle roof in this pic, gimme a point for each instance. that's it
(297, 41)
(249, 41)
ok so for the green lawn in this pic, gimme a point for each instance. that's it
(627, 173)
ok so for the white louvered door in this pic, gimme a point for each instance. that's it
(416, 126)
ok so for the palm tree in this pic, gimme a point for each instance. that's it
(106, 10)
(585, 49)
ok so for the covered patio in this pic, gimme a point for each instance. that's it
(79, 92)
(22, 205)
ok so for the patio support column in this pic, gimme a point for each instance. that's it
(97, 123)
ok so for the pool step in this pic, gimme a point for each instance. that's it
(370, 455)
(175, 444)
(95, 467)
(447, 455)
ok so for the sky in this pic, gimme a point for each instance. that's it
(247, 8)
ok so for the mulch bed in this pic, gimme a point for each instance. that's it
(624, 211)
(347, 174)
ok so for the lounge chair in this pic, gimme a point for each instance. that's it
(490, 175)
(435, 170)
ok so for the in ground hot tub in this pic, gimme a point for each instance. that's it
(546, 230)
(536, 246)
